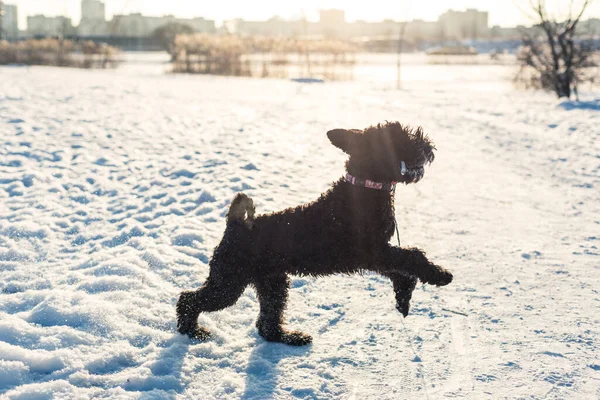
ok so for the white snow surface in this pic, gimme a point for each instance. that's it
(113, 191)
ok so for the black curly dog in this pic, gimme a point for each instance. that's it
(346, 230)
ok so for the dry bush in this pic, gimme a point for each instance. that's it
(60, 53)
(99, 55)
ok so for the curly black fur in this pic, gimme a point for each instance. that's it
(346, 230)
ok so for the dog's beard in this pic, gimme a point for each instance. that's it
(414, 175)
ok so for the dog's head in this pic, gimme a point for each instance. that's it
(378, 152)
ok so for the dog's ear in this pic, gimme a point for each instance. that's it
(346, 139)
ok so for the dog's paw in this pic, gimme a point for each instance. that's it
(280, 335)
(296, 338)
(403, 306)
(193, 331)
(443, 278)
(199, 333)
(438, 277)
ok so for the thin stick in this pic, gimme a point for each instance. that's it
(455, 312)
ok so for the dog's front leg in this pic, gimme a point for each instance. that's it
(403, 289)
(413, 261)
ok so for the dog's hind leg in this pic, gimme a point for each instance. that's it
(273, 294)
(403, 289)
(214, 295)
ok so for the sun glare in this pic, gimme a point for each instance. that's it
(503, 13)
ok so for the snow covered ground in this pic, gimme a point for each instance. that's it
(113, 191)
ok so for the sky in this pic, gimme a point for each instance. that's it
(501, 12)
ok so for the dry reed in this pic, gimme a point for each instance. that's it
(59, 53)
(262, 56)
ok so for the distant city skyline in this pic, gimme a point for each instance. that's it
(503, 13)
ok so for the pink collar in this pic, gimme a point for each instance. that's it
(389, 187)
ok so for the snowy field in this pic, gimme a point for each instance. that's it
(113, 191)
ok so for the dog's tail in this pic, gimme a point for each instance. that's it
(241, 206)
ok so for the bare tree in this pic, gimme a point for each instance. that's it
(400, 46)
(553, 56)
(166, 35)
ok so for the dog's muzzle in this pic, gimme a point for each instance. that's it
(413, 174)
